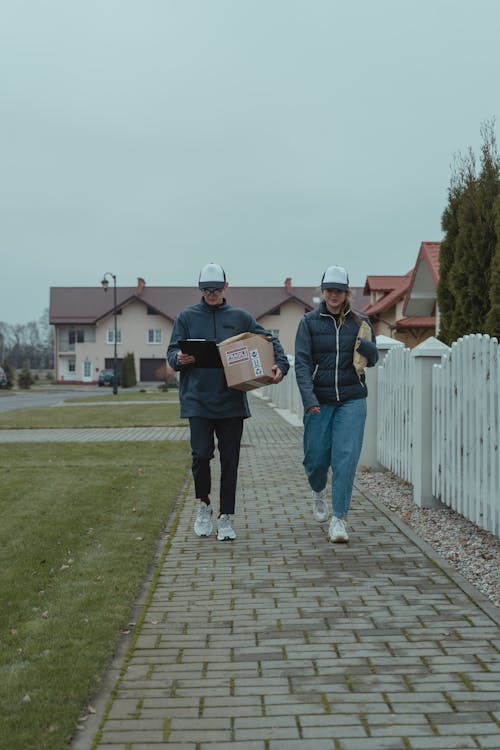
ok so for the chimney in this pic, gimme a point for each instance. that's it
(140, 286)
(288, 285)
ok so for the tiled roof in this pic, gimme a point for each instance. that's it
(430, 250)
(86, 305)
(416, 322)
(428, 254)
(381, 283)
(399, 288)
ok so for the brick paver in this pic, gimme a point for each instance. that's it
(282, 641)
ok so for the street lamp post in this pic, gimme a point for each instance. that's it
(105, 285)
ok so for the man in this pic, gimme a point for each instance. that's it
(211, 407)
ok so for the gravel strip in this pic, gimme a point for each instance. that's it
(474, 553)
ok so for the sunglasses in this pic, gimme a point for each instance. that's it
(212, 290)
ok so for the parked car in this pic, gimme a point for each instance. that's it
(3, 378)
(106, 378)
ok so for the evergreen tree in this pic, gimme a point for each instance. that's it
(449, 224)
(128, 377)
(463, 263)
(25, 378)
(9, 374)
(470, 242)
(493, 318)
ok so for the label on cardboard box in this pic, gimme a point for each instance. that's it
(256, 363)
(237, 356)
(247, 360)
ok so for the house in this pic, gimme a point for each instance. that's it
(84, 323)
(404, 307)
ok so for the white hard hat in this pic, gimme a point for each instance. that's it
(335, 277)
(212, 275)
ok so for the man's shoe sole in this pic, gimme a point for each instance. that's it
(209, 533)
(338, 540)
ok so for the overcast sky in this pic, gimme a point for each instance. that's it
(276, 137)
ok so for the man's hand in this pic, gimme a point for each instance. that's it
(313, 410)
(185, 359)
(278, 375)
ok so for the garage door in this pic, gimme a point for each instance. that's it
(109, 361)
(152, 370)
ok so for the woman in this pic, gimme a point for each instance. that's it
(333, 393)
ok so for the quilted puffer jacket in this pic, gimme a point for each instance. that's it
(324, 350)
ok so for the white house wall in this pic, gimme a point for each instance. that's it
(286, 323)
(134, 323)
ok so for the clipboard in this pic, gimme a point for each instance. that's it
(205, 352)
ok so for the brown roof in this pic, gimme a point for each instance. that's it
(400, 285)
(416, 321)
(87, 305)
(428, 254)
(430, 251)
(381, 283)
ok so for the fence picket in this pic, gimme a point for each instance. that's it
(465, 423)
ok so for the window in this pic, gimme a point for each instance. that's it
(154, 336)
(71, 365)
(76, 337)
(275, 332)
(87, 369)
(111, 336)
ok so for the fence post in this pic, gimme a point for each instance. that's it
(426, 354)
(368, 456)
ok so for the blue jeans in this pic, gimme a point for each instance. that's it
(334, 437)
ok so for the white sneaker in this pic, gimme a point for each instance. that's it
(337, 531)
(320, 508)
(224, 528)
(203, 525)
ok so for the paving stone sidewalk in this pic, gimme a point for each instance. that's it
(282, 641)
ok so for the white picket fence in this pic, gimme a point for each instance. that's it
(433, 419)
(466, 456)
(395, 411)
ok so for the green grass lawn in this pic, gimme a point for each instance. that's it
(80, 524)
(120, 414)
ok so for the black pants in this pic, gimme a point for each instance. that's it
(228, 432)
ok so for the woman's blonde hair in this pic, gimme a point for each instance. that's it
(347, 306)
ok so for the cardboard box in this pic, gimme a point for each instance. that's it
(247, 360)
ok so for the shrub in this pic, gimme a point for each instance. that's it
(128, 377)
(9, 374)
(25, 379)
(165, 373)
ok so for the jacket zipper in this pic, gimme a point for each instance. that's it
(337, 333)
